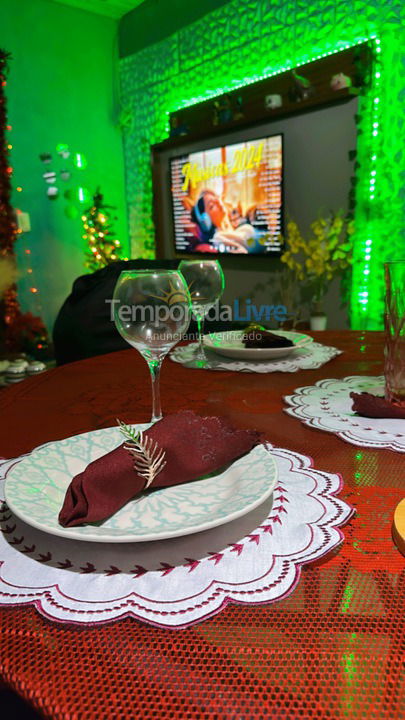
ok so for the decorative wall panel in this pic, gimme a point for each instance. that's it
(245, 40)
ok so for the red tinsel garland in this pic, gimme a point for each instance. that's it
(17, 327)
(8, 228)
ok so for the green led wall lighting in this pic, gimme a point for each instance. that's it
(236, 46)
(366, 296)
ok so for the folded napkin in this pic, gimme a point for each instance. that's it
(194, 446)
(256, 336)
(372, 406)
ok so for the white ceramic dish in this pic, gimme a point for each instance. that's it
(35, 489)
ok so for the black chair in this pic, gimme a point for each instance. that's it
(83, 327)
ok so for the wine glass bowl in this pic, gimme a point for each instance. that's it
(205, 280)
(152, 311)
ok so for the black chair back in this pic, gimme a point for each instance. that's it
(83, 327)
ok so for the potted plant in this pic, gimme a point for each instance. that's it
(315, 260)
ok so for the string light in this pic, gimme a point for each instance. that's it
(19, 326)
(362, 271)
(98, 233)
(34, 290)
(289, 65)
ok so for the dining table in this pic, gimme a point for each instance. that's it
(334, 648)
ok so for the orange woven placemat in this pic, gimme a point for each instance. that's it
(333, 649)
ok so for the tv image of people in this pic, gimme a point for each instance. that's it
(228, 199)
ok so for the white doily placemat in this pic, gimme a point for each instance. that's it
(178, 582)
(327, 405)
(308, 358)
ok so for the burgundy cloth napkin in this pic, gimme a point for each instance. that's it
(194, 446)
(258, 338)
(369, 405)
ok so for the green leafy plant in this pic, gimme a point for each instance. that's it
(315, 260)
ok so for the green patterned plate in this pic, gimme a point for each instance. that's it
(36, 486)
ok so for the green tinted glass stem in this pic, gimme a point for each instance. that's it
(200, 326)
(154, 367)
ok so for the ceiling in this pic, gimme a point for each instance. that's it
(109, 8)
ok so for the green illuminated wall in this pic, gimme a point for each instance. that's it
(60, 89)
(248, 39)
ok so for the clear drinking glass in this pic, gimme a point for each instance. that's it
(152, 310)
(206, 283)
(394, 367)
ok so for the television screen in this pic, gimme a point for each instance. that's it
(229, 199)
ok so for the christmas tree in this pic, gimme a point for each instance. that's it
(104, 247)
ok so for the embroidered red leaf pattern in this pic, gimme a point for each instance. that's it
(191, 564)
(28, 549)
(138, 571)
(65, 565)
(113, 570)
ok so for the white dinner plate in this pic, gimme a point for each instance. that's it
(36, 486)
(230, 345)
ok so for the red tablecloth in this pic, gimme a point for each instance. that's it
(330, 650)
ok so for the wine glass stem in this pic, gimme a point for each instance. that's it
(200, 326)
(154, 367)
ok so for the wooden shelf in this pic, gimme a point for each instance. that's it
(248, 106)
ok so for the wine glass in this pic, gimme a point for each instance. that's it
(152, 310)
(206, 283)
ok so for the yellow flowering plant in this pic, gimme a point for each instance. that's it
(326, 252)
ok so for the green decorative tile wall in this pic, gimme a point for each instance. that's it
(247, 39)
(321, 15)
(245, 22)
(156, 63)
(278, 50)
(203, 40)
(277, 15)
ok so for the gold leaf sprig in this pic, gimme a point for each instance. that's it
(149, 457)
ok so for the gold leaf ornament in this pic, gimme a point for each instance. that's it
(149, 458)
